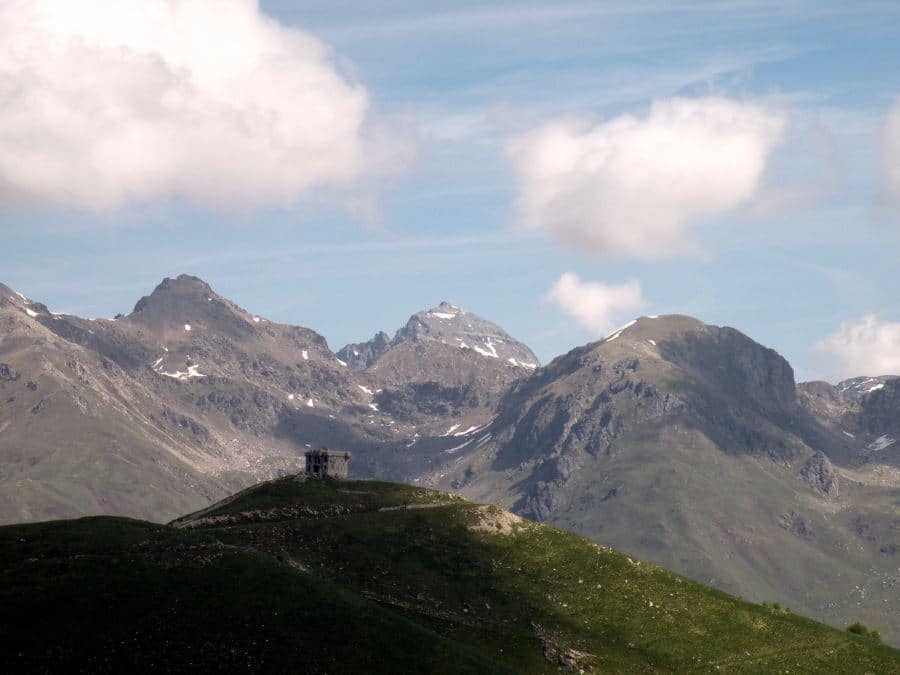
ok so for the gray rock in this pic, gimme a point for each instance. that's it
(819, 474)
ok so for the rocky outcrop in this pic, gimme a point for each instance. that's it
(7, 374)
(364, 354)
(881, 409)
(819, 474)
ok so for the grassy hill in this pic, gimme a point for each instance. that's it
(356, 576)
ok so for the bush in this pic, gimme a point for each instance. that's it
(858, 628)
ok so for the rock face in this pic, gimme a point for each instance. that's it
(865, 414)
(880, 413)
(819, 474)
(364, 354)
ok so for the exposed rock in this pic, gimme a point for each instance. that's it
(796, 524)
(7, 374)
(881, 409)
(819, 474)
(40, 407)
(364, 354)
(444, 363)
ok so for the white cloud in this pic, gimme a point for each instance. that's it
(867, 346)
(595, 305)
(633, 186)
(891, 151)
(109, 101)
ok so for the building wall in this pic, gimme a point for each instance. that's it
(338, 466)
(335, 466)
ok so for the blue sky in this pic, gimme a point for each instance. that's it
(451, 86)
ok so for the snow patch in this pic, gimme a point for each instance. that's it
(521, 364)
(305, 355)
(366, 389)
(458, 447)
(652, 342)
(24, 299)
(618, 331)
(310, 403)
(443, 315)
(491, 351)
(30, 312)
(290, 397)
(187, 327)
(192, 371)
(484, 439)
(343, 363)
(374, 406)
(451, 430)
(876, 387)
(847, 434)
(880, 443)
(255, 319)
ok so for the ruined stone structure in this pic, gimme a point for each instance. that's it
(325, 463)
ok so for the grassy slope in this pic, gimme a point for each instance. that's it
(725, 526)
(69, 461)
(333, 577)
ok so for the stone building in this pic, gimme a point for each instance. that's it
(325, 463)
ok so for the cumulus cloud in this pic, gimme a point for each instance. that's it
(891, 151)
(594, 305)
(634, 185)
(109, 101)
(866, 346)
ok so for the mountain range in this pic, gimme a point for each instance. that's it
(684, 444)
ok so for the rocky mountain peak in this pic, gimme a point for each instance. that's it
(186, 304)
(185, 287)
(453, 326)
(450, 325)
(10, 296)
(857, 387)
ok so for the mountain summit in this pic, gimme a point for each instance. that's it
(444, 363)
(448, 325)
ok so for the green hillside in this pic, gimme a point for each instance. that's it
(322, 576)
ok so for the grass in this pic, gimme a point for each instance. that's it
(321, 576)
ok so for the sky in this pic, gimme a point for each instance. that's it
(557, 168)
